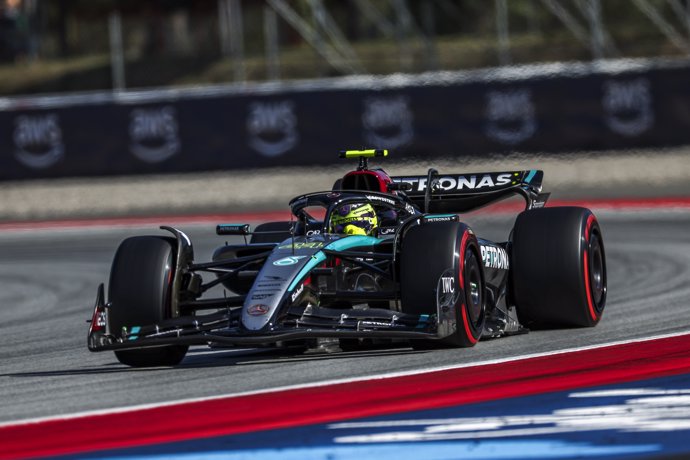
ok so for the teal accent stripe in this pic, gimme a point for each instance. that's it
(135, 330)
(338, 245)
(530, 176)
(423, 319)
(314, 260)
(349, 242)
(440, 215)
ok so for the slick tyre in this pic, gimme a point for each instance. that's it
(558, 268)
(140, 291)
(440, 265)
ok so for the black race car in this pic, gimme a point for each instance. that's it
(377, 257)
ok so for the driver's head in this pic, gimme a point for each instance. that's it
(354, 219)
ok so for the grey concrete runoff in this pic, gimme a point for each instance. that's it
(612, 174)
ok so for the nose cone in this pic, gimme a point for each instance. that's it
(281, 273)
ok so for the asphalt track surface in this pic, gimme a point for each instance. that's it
(49, 279)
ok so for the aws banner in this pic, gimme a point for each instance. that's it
(549, 108)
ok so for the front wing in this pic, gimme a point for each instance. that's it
(223, 327)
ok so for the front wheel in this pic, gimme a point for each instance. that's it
(440, 271)
(140, 293)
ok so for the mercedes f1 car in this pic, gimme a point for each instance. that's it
(406, 268)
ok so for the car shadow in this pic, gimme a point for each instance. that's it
(198, 358)
(220, 358)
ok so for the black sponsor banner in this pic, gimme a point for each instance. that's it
(639, 107)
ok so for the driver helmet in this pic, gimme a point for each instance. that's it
(354, 219)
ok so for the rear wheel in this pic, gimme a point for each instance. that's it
(439, 266)
(140, 291)
(558, 267)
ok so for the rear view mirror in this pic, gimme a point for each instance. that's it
(233, 229)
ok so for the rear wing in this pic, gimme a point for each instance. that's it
(465, 192)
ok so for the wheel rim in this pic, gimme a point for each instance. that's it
(597, 273)
(473, 288)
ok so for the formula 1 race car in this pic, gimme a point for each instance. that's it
(376, 257)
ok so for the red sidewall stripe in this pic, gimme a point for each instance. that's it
(344, 401)
(588, 226)
(461, 260)
(588, 293)
(463, 306)
(466, 322)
